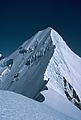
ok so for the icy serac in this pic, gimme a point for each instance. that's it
(44, 67)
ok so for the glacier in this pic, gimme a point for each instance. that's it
(45, 69)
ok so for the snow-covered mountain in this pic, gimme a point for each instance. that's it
(45, 69)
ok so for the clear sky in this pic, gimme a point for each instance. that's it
(20, 19)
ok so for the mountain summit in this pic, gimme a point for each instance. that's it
(45, 69)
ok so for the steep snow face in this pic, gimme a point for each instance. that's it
(17, 107)
(64, 70)
(23, 71)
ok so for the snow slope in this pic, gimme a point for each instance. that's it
(17, 107)
(65, 63)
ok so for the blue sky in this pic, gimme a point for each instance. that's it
(20, 19)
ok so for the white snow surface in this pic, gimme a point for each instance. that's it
(17, 107)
